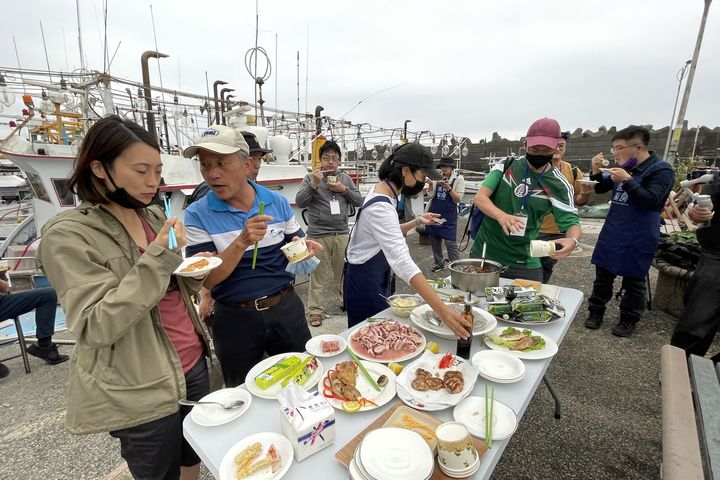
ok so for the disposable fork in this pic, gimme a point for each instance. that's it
(227, 406)
(172, 240)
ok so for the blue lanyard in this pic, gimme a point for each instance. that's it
(392, 189)
(529, 184)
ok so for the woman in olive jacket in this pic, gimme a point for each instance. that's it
(140, 345)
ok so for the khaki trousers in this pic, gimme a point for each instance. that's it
(328, 273)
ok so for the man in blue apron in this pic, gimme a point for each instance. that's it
(444, 198)
(640, 183)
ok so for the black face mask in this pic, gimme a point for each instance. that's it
(123, 198)
(414, 190)
(538, 161)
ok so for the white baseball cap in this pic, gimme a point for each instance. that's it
(219, 139)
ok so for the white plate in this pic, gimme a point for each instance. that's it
(273, 392)
(471, 413)
(212, 415)
(366, 390)
(500, 367)
(213, 262)
(313, 346)
(364, 355)
(440, 399)
(547, 351)
(587, 182)
(282, 444)
(396, 453)
(484, 322)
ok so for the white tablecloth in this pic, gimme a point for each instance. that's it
(211, 443)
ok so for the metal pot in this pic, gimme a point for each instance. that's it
(475, 282)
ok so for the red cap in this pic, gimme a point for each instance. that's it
(545, 131)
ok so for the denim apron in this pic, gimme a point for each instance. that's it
(443, 204)
(363, 283)
(630, 236)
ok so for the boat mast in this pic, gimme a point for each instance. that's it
(82, 55)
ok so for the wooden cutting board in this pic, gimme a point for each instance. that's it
(345, 454)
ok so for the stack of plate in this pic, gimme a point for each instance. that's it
(499, 367)
(390, 454)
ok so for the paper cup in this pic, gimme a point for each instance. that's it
(541, 248)
(521, 230)
(455, 446)
(332, 179)
(704, 201)
(295, 251)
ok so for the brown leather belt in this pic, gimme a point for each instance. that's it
(263, 303)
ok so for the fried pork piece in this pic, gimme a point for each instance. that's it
(420, 384)
(454, 381)
(421, 373)
(524, 343)
(247, 455)
(435, 383)
(347, 372)
(342, 389)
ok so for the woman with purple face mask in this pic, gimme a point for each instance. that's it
(640, 183)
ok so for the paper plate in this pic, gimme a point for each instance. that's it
(212, 415)
(213, 262)
(549, 350)
(314, 345)
(273, 392)
(500, 367)
(228, 469)
(366, 390)
(471, 413)
(396, 453)
(484, 322)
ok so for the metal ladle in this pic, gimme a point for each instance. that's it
(484, 251)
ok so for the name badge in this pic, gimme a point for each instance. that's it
(334, 207)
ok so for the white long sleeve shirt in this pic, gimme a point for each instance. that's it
(379, 229)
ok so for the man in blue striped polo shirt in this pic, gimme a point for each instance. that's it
(256, 310)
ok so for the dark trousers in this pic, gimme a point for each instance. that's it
(44, 300)
(700, 320)
(450, 245)
(242, 335)
(548, 264)
(156, 450)
(632, 304)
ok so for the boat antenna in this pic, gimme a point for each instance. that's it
(113, 56)
(372, 95)
(17, 56)
(82, 55)
(307, 65)
(276, 73)
(298, 84)
(162, 88)
(106, 64)
(47, 59)
(67, 64)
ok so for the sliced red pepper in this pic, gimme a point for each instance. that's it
(446, 361)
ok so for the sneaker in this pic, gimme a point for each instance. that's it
(50, 354)
(593, 321)
(437, 268)
(623, 329)
(4, 371)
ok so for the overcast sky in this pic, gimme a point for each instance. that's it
(466, 67)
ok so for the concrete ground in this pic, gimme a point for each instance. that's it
(609, 387)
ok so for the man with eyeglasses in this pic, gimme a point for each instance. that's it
(549, 230)
(327, 194)
(641, 182)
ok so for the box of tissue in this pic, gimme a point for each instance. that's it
(308, 420)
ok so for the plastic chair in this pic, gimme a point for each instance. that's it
(20, 340)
